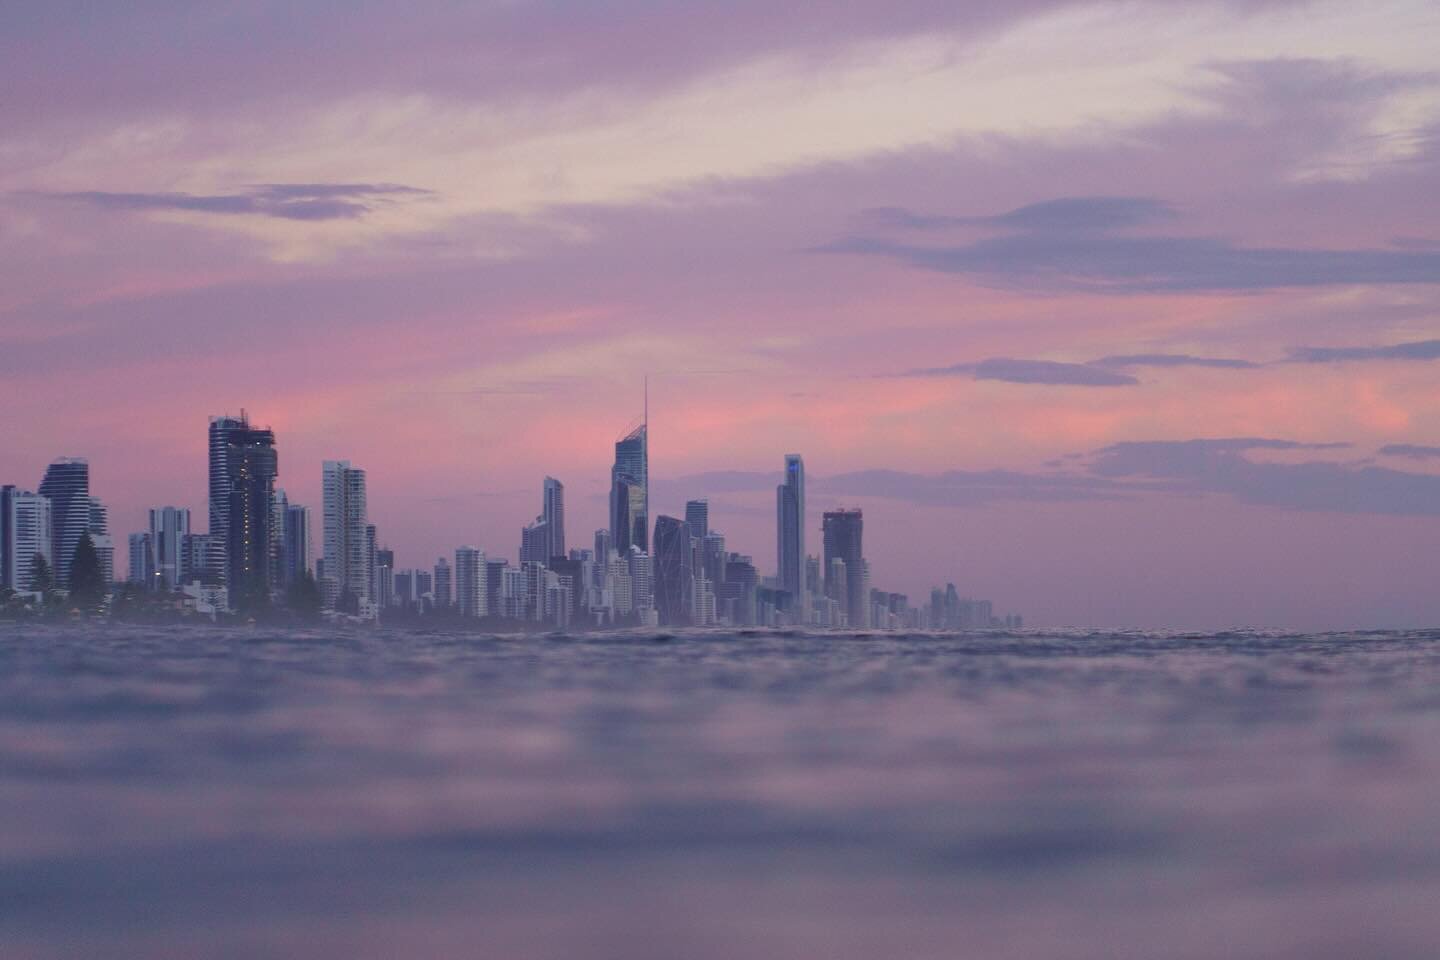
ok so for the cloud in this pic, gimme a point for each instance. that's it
(1412, 450)
(1417, 350)
(1222, 466)
(287, 201)
(1173, 360)
(1044, 372)
(1062, 213)
(1097, 261)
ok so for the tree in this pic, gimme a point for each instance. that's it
(42, 580)
(87, 578)
(303, 597)
(251, 597)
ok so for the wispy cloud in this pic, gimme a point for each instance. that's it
(287, 201)
(1413, 451)
(1417, 350)
(1173, 360)
(1042, 372)
(1062, 213)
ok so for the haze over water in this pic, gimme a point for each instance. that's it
(230, 793)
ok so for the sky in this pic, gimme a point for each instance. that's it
(1118, 314)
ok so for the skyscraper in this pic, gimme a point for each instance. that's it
(25, 532)
(346, 583)
(67, 486)
(443, 583)
(243, 468)
(604, 543)
(630, 492)
(790, 528)
(674, 574)
(535, 542)
(142, 561)
(169, 526)
(553, 513)
(843, 531)
(697, 518)
(295, 548)
(471, 595)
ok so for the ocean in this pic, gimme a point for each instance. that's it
(232, 793)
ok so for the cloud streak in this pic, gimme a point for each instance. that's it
(285, 201)
(1039, 372)
(1416, 350)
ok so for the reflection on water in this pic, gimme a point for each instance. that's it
(220, 793)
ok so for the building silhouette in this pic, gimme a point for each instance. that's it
(67, 486)
(790, 527)
(843, 530)
(673, 574)
(553, 514)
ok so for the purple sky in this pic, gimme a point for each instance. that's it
(1117, 314)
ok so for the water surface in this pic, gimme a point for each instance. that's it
(213, 793)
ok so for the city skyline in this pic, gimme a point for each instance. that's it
(1125, 314)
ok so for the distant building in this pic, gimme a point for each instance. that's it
(142, 562)
(471, 595)
(25, 533)
(345, 580)
(67, 486)
(243, 468)
(629, 492)
(535, 542)
(673, 575)
(790, 527)
(443, 583)
(843, 530)
(697, 518)
(295, 544)
(553, 514)
(169, 526)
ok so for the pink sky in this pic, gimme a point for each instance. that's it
(446, 241)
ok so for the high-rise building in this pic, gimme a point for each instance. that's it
(673, 575)
(697, 518)
(142, 561)
(604, 543)
(471, 595)
(495, 588)
(553, 513)
(843, 531)
(790, 528)
(169, 526)
(443, 583)
(535, 542)
(67, 486)
(25, 533)
(295, 548)
(346, 581)
(630, 492)
(243, 468)
(384, 568)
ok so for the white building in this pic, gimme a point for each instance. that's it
(470, 582)
(346, 550)
(25, 532)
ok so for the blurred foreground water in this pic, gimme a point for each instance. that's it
(205, 793)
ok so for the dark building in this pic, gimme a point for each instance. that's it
(67, 486)
(629, 492)
(251, 466)
(697, 518)
(495, 587)
(673, 582)
(790, 526)
(843, 530)
(243, 467)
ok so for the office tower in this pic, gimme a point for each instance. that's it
(67, 485)
(495, 587)
(471, 594)
(843, 531)
(604, 543)
(295, 549)
(195, 558)
(243, 467)
(169, 526)
(142, 562)
(630, 492)
(790, 527)
(814, 579)
(443, 583)
(673, 574)
(403, 584)
(25, 532)
(553, 513)
(424, 589)
(346, 581)
(535, 543)
(697, 518)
